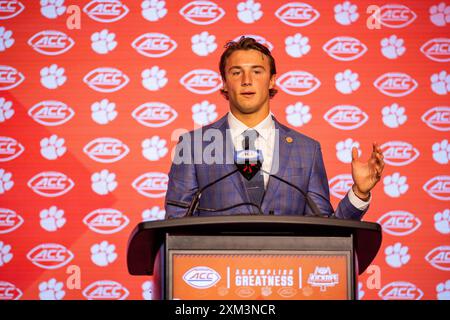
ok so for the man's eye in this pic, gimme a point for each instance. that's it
(235, 73)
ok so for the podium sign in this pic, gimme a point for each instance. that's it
(253, 257)
(265, 275)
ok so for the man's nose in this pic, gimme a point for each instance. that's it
(246, 79)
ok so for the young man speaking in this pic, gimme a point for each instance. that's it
(248, 72)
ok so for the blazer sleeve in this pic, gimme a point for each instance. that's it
(319, 191)
(182, 178)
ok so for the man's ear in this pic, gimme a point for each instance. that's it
(224, 86)
(272, 82)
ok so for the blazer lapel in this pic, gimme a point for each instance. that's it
(281, 157)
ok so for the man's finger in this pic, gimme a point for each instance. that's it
(354, 153)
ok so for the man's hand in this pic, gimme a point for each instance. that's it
(366, 174)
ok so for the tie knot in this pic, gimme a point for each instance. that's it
(250, 136)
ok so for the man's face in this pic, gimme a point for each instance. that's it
(248, 80)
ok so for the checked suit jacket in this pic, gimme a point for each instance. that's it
(300, 163)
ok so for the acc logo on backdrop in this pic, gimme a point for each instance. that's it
(8, 291)
(345, 48)
(437, 49)
(106, 79)
(51, 113)
(201, 81)
(438, 187)
(106, 221)
(51, 42)
(298, 83)
(105, 290)
(346, 117)
(395, 84)
(399, 223)
(106, 10)
(399, 153)
(50, 256)
(202, 12)
(201, 277)
(10, 149)
(10, 9)
(154, 45)
(51, 184)
(151, 184)
(258, 39)
(154, 114)
(395, 16)
(10, 78)
(340, 185)
(400, 290)
(438, 118)
(106, 150)
(9, 221)
(439, 258)
(297, 14)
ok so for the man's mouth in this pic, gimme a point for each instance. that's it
(248, 94)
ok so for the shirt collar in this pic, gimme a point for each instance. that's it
(263, 128)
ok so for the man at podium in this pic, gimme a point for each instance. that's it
(249, 163)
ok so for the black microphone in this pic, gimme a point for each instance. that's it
(193, 205)
(312, 205)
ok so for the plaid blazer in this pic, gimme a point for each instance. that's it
(300, 163)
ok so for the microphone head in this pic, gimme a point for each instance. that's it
(248, 162)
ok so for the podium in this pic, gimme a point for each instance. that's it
(253, 256)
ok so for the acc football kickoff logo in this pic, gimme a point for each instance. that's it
(151, 184)
(51, 184)
(438, 187)
(437, 118)
(340, 185)
(154, 114)
(395, 84)
(8, 291)
(201, 81)
(106, 10)
(439, 258)
(154, 45)
(9, 221)
(346, 117)
(50, 256)
(400, 290)
(106, 221)
(10, 78)
(51, 42)
(297, 14)
(10, 149)
(106, 79)
(10, 9)
(399, 153)
(395, 16)
(105, 290)
(437, 49)
(298, 83)
(399, 223)
(345, 48)
(201, 277)
(51, 113)
(202, 12)
(106, 150)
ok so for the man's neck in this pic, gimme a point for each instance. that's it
(251, 120)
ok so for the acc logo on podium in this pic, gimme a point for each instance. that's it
(201, 277)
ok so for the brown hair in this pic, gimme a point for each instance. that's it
(246, 43)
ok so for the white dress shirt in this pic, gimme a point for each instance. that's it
(266, 143)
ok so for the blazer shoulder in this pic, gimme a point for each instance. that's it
(300, 138)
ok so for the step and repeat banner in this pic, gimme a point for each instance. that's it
(93, 95)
